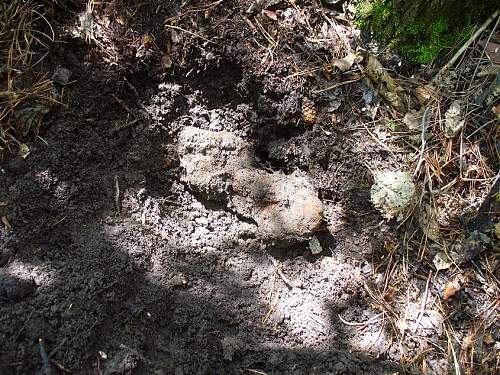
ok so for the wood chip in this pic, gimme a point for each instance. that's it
(6, 222)
(451, 289)
(272, 15)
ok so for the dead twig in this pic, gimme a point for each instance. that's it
(59, 366)
(124, 106)
(373, 320)
(337, 85)
(24, 325)
(125, 126)
(422, 139)
(484, 49)
(466, 45)
(190, 33)
(424, 302)
(195, 9)
(286, 280)
(55, 350)
(117, 195)
(258, 372)
(46, 366)
(375, 138)
(136, 93)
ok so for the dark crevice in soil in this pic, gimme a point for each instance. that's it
(218, 85)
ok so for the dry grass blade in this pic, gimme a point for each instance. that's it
(21, 39)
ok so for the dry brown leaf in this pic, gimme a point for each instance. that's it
(488, 339)
(345, 63)
(166, 62)
(413, 119)
(451, 288)
(496, 111)
(327, 71)
(3, 204)
(6, 222)
(424, 93)
(148, 40)
(488, 70)
(120, 20)
(272, 15)
(385, 85)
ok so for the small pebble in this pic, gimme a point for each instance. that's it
(179, 280)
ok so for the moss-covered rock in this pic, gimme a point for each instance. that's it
(422, 30)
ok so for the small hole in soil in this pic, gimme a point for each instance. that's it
(219, 84)
(270, 141)
(302, 249)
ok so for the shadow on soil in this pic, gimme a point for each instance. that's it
(108, 297)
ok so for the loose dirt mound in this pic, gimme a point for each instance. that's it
(284, 208)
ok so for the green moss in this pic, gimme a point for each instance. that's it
(418, 41)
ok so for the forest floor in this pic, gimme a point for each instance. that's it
(114, 262)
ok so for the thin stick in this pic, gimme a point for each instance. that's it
(375, 319)
(286, 280)
(54, 351)
(455, 359)
(379, 141)
(117, 195)
(480, 128)
(46, 367)
(484, 49)
(457, 55)
(424, 302)
(337, 85)
(461, 158)
(59, 366)
(422, 139)
(127, 125)
(253, 371)
(124, 106)
(24, 325)
(190, 33)
(134, 90)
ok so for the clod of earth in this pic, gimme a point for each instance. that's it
(61, 76)
(124, 362)
(222, 166)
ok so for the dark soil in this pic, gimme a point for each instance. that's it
(120, 268)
